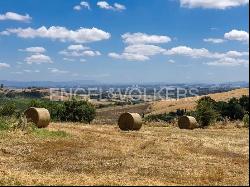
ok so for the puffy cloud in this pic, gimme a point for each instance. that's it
(4, 65)
(129, 56)
(82, 4)
(104, 5)
(229, 62)
(79, 51)
(214, 40)
(139, 52)
(238, 35)
(142, 38)
(91, 53)
(107, 6)
(234, 54)
(119, 6)
(34, 50)
(85, 4)
(203, 53)
(15, 17)
(213, 4)
(82, 35)
(55, 70)
(171, 61)
(4, 33)
(77, 7)
(147, 50)
(77, 47)
(187, 51)
(38, 59)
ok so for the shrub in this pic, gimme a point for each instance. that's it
(205, 111)
(235, 110)
(222, 108)
(244, 102)
(78, 111)
(8, 109)
(246, 120)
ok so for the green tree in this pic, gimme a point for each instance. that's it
(205, 111)
(235, 110)
(78, 111)
(244, 102)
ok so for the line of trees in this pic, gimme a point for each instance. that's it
(209, 111)
(68, 111)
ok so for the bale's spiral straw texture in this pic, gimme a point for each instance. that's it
(39, 116)
(187, 122)
(130, 121)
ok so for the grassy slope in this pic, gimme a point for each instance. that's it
(103, 155)
(190, 103)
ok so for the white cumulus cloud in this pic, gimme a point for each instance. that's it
(34, 50)
(107, 6)
(203, 53)
(119, 6)
(83, 4)
(213, 4)
(4, 65)
(147, 50)
(82, 35)
(229, 62)
(77, 7)
(187, 51)
(129, 56)
(15, 17)
(238, 35)
(77, 47)
(142, 38)
(214, 40)
(38, 59)
(79, 51)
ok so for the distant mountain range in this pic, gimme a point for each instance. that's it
(47, 84)
(84, 83)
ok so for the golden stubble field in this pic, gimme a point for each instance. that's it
(104, 155)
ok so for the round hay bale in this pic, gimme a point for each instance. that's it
(187, 122)
(39, 116)
(130, 121)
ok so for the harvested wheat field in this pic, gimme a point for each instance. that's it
(190, 102)
(104, 155)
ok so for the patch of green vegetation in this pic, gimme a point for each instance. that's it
(209, 111)
(4, 124)
(167, 117)
(73, 111)
(246, 120)
(45, 133)
(11, 124)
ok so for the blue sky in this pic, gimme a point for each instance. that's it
(118, 41)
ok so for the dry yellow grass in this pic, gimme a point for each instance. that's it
(190, 103)
(104, 155)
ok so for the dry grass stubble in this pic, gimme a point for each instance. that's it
(104, 155)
